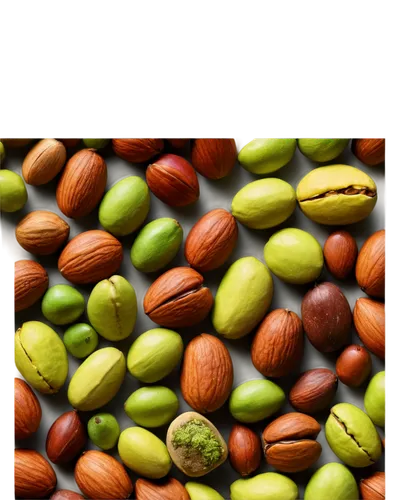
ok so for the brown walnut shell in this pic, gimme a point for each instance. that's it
(43, 162)
(370, 267)
(373, 487)
(340, 254)
(369, 151)
(34, 477)
(27, 410)
(30, 283)
(66, 438)
(214, 158)
(354, 365)
(66, 495)
(137, 150)
(369, 320)
(244, 450)
(168, 489)
(314, 390)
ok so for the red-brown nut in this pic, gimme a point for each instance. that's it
(369, 320)
(173, 180)
(30, 283)
(167, 489)
(313, 390)
(43, 162)
(66, 438)
(244, 450)
(137, 150)
(27, 410)
(66, 495)
(214, 158)
(354, 365)
(34, 477)
(369, 151)
(178, 143)
(340, 254)
(373, 487)
(370, 267)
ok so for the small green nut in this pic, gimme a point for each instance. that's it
(154, 354)
(152, 406)
(263, 156)
(321, 150)
(144, 453)
(41, 357)
(96, 143)
(267, 486)
(13, 194)
(374, 399)
(81, 340)
(333, 481)
(62, 304)
(243, 297)
(125, 206)
(156, 244)
(352, 436)
(337, 195)
(255, 400)
(97, 380)
(103, 430)
(112, 308)
(198, 491)
(264, 203)
(2, 153)
(294, 256)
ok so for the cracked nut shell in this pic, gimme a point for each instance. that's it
(314, 390)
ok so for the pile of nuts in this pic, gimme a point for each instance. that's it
(332, 195)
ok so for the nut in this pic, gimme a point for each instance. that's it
(264, 486)
(207, 373)
(353, 365)
(82, 184)
(314, 390)
(374, 399)
(322, 150)
(211, 240)
(66, 495)
(264, 156)
(340, 253)
(373, 487)
(244, 450)
(70, 143)
(369, 320)
(99, 475)
(214, 158)
(43, 162)
(178, 298)
(30, 283)
(326, 317)
(290, 442)
(66, 438)
(42, 232)
(370, 267)
(137, 150)
(27, 410)
(16, 143)
(369, 151)
(169, 489)
(13, 194)
(277, 346)
(173, 180)
(34, 477)
(178, 143)
(90, 257)
(333, 481)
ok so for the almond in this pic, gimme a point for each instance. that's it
(82, 184)
(30, 283)
(340, 254)
(169, 489)
(369, 151)
(370, 267)
(27, 410)
(214, 158)
(42, 232)
(34, 477)
(66, 438)
(373, 487)
(244, 450)
(137, 150)
(66, 495)
(44, 161)
(369, 320)
(314, 390)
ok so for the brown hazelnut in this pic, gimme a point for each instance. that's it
(354, 365)
(244, 450)
(340, 254)
(66, 438)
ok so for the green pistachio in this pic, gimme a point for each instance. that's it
(321, 150)
(103, 430)
(333, 481)
(13, 194)
(152, 406)
(374, 399)
(267, 486)
(80, 340)
(198, 491)
(96, 143)
(62, 304)
(263, 156)
(2, 154)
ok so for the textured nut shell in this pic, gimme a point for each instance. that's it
(291, 426)
(34, 477)
(137, 150)
(90, 257)
(100, 476)
(353, 365)
(277, 346)
(43, 162)
(30, 283)
(207, 373)
(369, 320)
(211, 240)
(373, 487)
(66, 495)
(314, 390)
(370, 267)
(27, 410)
(42, 232)
(171, 489)
(173, 180)
(295, 456)
(326, 317)
(82, 184)
(340, 254)
(214, 158)
(66, 438)
(244, 450)
(369, 151)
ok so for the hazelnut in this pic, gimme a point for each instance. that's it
(340, 254)
(244, 450)
(66, 438)
(353, 365)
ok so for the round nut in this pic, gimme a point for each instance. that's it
(340, 254)
(353, 365)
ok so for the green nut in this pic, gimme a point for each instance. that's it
(156, 244)
(154, 354)
(97, 380)
(336, 195)
(321, 150)
(243, 297)
(96, 143)
(2, 153)
(263, 156)
(255, 400)
(144, 453)
(198, 491)
(267, 486)
(352, 436)
(333, 481)
(374, 399)
(62, 304)
(80, 340)
(295, 256)
(125, 206)
(152, 406)
(264, 203)
(13, 194)
(40, 356)
(103, 430)
(112, 308)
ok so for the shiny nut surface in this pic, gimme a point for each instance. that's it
(30, 283)
(373, 487)
(369, 320)
(353, 365)
(369, 151)
(244, 448)
(214, 158)
(169, 489)
(34, 477)
(43, 162)
(66, 438)
(137, 150)
(340, 254)
(370, 267)
(314, 390)
(27, 410)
